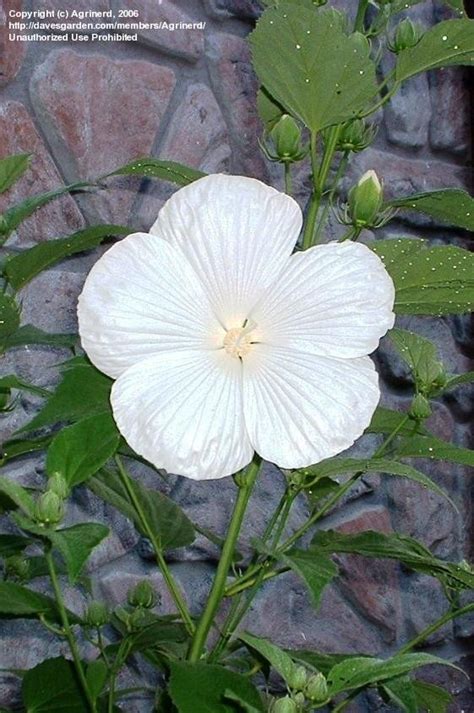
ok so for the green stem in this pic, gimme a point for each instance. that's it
(434, 627)
(314, 201)
(360, 17)
(329, 201)
(246, 485)
(381, 102)
(68, 631)
(288, 186)
(120, 659)
(167, 576)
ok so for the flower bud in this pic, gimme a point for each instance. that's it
(286, 136)
(365, 200)
(97, 614)
(356, 136)
(17, 567)
(142, 595)
(284, 705)
(300, 700)
(420, 408)
(57, 484)
(49, 509)
(407, 35)
(317, 688)
(298, 678)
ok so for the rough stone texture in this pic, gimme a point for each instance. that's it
(190, 97)
(11, 58)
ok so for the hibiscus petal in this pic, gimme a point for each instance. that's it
(300, 408)
(183, 412)
(142, 298)
(335, 300)
(237, 233)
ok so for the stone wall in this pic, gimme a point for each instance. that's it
(83, 109)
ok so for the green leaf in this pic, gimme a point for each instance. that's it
(12, 545)
(53, 687)
(9, 317)
(158, 635)
(420, 354)
(451, 205)
(434, 448)
(96, 676)
(279, 659)
(431, 698)
(29, 335)
(428, 280)
(206, 687)
(155, 168)
(393, 546)
(303, 75)
(18, 494)
(318, 661)
(455, 380)
(13, 382)
(401, 692)
(316, 570)
(76, 544)
(13, 217)
(386, 420)
(83, 391)
(11, 169)
(80, 450)
(21, 268)
(268, 110)
(364, 671)
(19, 447)
(19, 602)
(168, 522)
(447, 43)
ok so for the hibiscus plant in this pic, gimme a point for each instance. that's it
(233, 332)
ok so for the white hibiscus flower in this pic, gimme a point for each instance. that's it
(222, 342)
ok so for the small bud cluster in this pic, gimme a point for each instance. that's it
(50, 507)
(356, 136)
(285, 142)
(407, 35)
(97, 614)
(364, 207)
(305, 687)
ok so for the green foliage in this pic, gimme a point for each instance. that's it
(303, 76)
(96, 675)
(12, 545)
(155, 168)
(21, 268)
(13, 382)
(28, 335)
(9, 318)
(428, 280)
(279, 659)
(420, 446)
(210, 689)
(386, 420)
(18, 495)
(421, 355)
(450, 205)
(316, 570)
(19, 447)
(431, 698)
(11, 169)
(447, 43)
(19, 602)
(51, 687)
(168, 522)
(76, 544)
(80, 450)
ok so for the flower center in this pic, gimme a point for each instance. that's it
(238, 340)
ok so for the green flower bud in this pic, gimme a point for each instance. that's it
(97, 614)
(298, 678)
(317, 688)
(137, 619)
(142, 595)
(420, 408)
(356, 136)
(286, 136)
(407, 35)
(300, 700)
(284, 705)
(17, 567)
(365, 200)
(57, 484)
(49, 509)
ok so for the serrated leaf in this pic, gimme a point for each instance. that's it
(447, 43)
(27, 335)
(12, 545)
(18, 494)
(205, 688)
(13, 382)
(450, 205)
(303, 75)
(434, 448)
(420, 354)
(316, 570)
(21, 268)
(11, 169)
(359, 672)
(393, 546)
(169, 524)
(76, 544)
(83, 391)
(14, 216)
(156, 168)
(53, 687)
(9, 318)
(428, 280)
(80, 450)
(277, 657)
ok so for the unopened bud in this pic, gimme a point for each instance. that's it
(284, 705)
(365, 200)
(407, 35)
(298, 678)
(97, 614)
(420, 408)
(49, 509)
(286, 136)
(17, 567)
(142, 595)
(317, 688)
(356, 136)
(57, 484)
